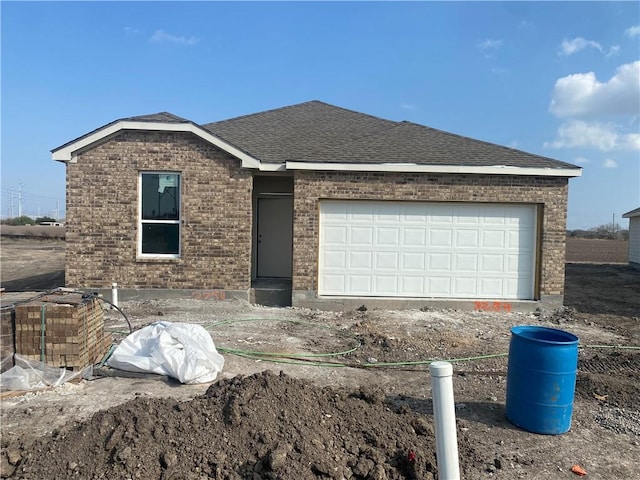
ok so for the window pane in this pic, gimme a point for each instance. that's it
(161, 238)
(160, 196)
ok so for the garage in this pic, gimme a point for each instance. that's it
(427, 249)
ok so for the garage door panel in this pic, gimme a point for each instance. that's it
(495, 217)
(389, 236)
(360, 284)
(514, 239)
(467, 238)
(386, 284)
(413, 261)
(439, 285)
(491, 287)
(333, 284)
(386, 261)
(412, 249)
(491, 263)
(361, 212)
(335, 235)
(440, 262)
(388, 213)
(467, 215)
(361, 236)
(439, 237)
(493, 239)
(516, 266)
(360, 260)
(414, 237)
(440, 214)
(415, 213)
(466, 262)
(513, 287)
(466, 287)
(334, 211)
(335, 259)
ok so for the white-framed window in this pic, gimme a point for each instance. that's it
(159, 214)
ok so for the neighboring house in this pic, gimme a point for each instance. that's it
(349, 208)
(634, 237)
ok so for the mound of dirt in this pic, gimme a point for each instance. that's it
(263, 426)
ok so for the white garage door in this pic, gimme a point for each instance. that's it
(406, 249)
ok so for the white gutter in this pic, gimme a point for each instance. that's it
(412, 167)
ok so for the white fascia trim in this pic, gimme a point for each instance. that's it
(69, 153)
(411, 168)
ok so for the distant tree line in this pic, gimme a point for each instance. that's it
(26, 220)
(610, 231)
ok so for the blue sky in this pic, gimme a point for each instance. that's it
(556, 79)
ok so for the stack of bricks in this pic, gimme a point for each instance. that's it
(63, 330)
(7, 346)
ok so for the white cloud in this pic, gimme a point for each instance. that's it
(408, 106)
(581, 160)
(131, 30)
(582, 94)
(610, 163)
(526, 25)
(615, 50)
(632, 31)
(603, 136)
(569, 47)
(489, 44)
(160, 36)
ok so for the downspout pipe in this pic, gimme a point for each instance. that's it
(114, 294)
(444, 418)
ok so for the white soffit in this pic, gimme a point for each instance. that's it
(460, 169)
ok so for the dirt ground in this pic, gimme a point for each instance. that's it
(337, 416)
(594, 250)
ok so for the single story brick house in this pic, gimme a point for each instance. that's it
(334, 207)
(634, 237)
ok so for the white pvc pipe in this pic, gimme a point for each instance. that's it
(114, 294)
(444, 418)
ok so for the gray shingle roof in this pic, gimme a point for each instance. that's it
(318, 132)
(294, 132)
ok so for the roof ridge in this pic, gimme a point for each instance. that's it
(155, 117)
(297, 105)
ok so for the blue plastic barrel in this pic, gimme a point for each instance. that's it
(541, 379)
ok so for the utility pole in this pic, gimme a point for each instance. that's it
(11, 195)
(19, 199)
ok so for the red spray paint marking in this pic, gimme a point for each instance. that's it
(209, 295)
(493, 306)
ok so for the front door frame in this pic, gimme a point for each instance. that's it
(287, 245)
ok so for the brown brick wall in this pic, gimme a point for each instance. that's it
(102, 218)
(102, 223)
(310, 187)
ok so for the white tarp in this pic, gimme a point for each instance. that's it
(180, 350)
(34, 375)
